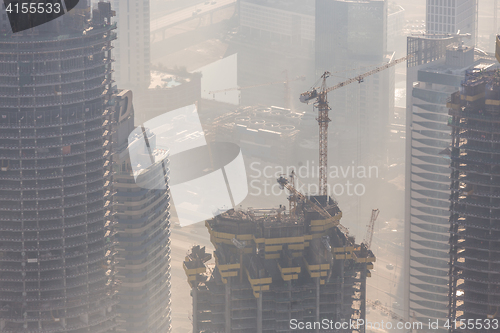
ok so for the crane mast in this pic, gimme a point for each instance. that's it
(321, 103)
(369, 233)
(323, 120)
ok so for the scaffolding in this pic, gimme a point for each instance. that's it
(57, 247)
(475, 199)
(272, 267)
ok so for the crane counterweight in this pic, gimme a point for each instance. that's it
(308, 95)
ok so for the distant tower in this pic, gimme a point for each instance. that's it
(436, 70)
(56, 217)
(351, 38)
(143, 216)
(450, 16)
(349, 31)
(132, 47)
(474, 274)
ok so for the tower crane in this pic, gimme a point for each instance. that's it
(319, 96)
(369, 233)
(286, 83)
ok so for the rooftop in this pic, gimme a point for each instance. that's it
(481, 62)
(166, 80)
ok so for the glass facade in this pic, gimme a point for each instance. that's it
(349, 30)
(429, 206)
(451, 16)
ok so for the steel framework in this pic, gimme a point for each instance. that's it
(475, 200)
(57, 248)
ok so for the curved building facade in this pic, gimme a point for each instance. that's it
(56, 218)
(429, 193)
(427, 182)
(143, 213)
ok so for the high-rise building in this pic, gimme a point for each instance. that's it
(474, 274)
(286, 21)
(275, 270)
(283, 34)
(451, 16)
(351, 38)
(142, 212)
(348, 31)
(56, 216)
(275, 41)
(434, 71)
(396, 37)
(132, 47)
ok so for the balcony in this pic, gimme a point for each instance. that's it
(484, 127)
(483, 137)
(54, 184)
(466, 158)
(474, 213)
(482, 202)
(35, 46)
(63, 100)
(45, 57)
(47, 70)
(41, 156)
(53, 119)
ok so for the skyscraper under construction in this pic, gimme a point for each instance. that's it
(143, 216)
(275, 270)
(474, 287)
(56, 219)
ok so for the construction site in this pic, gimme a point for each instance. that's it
(272, 266)
(278, 266)
(475, 199)
(57, 248)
